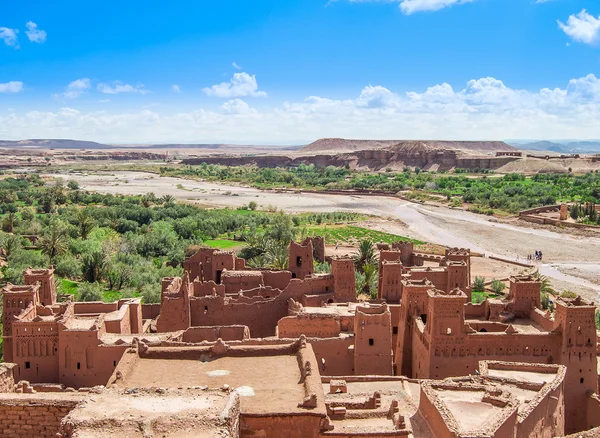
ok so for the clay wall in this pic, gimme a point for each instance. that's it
(136, 321)
(386, 255)
(344, 279)
(47, 292)
(539, 317)
(438, 276)
(236, 281)
(211, 334)
(547, 418)
(83, 362)
(119, 322)
(317, 326)
(301, 262)
(150, 311)
(94, 308)
(576, 320)
(373, 341)
(406, 252)
(300, 425)
(33, 416)
(455, 356)
(208, 288)
(318, 243)
(35, 351)
(525, 294)
(277, 279)
(335, 356)
(593, 411)
(7, 379)
(390, 287)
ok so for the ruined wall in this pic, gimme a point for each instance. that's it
(83, 362)
(211, 334)
(318, 326)
(259, 314)
(335, 356)
(301, 262)
(299, 425)
(277, 279)
(7, 379)
(344, 279)
(33, 415)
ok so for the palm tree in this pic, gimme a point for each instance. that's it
(370, 284)
(9, 222)
(10, 244)
(85, 223)
(278, 256)
(365, 256)
(54, 242)
(168, 199)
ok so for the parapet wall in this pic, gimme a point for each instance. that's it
(36, 415)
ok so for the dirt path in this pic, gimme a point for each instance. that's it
(439, 225)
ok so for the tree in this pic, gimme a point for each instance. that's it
(365, 255)
(28, 213)
(11, 244)
(8, 224)
(370, 284)
(85, 223)
(94, 266)
(73, 185)
(252, 205)
(281, 228)
(55, 241)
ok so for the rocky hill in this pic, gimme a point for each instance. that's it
(337, 145)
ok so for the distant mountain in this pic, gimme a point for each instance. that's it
(572, 147)
(338, 145)
(92, 145)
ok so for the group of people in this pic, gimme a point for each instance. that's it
(537, 255)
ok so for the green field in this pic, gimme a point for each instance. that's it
(223, 243)
(351, 234)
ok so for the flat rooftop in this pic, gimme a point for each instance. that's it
(266, 384)
(143, 413)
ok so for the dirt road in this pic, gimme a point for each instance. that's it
(434, 224)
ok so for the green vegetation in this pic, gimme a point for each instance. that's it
(478, 284)
(485, 194)
(352, 234)
(105, 247)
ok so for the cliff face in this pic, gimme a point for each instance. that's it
(367, 159)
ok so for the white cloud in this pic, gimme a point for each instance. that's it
(75, 89)
(484, 108)
(241, 85)
(236, 106)
(583, 27)
(34, 34)
(412, 6)
(119, 87)
(10, 36)
(234, 64)
(11, 87)
(175, 89)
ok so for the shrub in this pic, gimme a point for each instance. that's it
(568, 294)
(252, 205)
(90, 292)
(479, 284)
(497, 286)
(68, 266)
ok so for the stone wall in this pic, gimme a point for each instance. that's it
(34, 415)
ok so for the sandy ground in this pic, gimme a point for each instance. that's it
(440, 225)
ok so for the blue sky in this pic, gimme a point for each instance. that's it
(157, 71)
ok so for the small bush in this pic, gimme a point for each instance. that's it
(479, 284)
(497, 286)
(90, 292)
